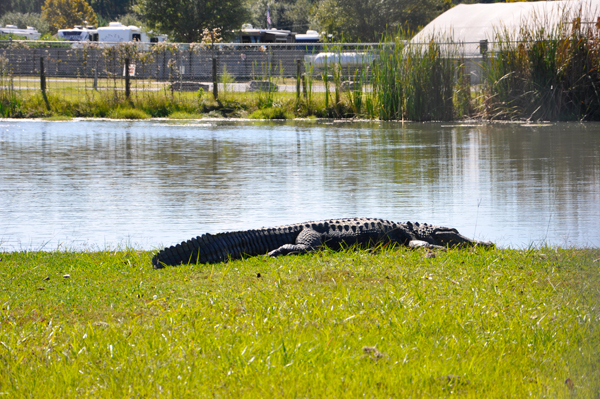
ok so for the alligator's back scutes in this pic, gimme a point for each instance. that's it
(309, 236)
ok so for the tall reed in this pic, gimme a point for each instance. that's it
(9, 99)
(416, 81)
(546, 70)
(387, 81)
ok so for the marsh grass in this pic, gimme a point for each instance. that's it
(273, 112)
(10, 101)
(128, 113)
(416, 81)
(185, 115)
(546, 71)
(389, 323)
(226, 80)
(356, 95)
(58, 118)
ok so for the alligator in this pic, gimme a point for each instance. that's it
(310, 236)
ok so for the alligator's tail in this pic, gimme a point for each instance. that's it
(222, 247)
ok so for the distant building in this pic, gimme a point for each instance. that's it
(476, 26)
(473, 23)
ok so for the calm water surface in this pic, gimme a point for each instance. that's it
(103, 184)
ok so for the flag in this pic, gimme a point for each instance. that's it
(268, 17)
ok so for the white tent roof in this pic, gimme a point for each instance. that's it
(475, 22)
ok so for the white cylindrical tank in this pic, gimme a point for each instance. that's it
(344, 59)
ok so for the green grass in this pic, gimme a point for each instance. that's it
(271, 113)
(30, 104)
(185, 115)
(128, 113)
(394, 323)
(58, 118)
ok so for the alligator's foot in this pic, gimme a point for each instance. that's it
(290, 249)
(308, 240)
(423, 244)
(157, 263)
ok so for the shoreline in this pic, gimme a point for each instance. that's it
(462, 123)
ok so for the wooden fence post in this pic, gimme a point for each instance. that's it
(127, 80)
(42, 76)
(215, 79)
(43, 82)
(298, 73)
(96, 74)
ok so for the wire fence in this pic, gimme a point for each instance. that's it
(141, 68)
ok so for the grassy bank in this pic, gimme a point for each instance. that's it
(497, 323)
(164, 103)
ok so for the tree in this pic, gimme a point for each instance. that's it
(23, 20)
(21, 6)
(129, 19)
(293, 15)
(63, 14)
(111, 9)
(369, 20)
(299, 15)
(185, 20)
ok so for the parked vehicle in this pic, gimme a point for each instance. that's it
(29, 34)
(115, 32)
(249, 34)
(79, 34)
(311, 36)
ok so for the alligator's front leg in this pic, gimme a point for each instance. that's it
(308, 240)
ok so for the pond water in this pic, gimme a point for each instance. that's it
(110, 184)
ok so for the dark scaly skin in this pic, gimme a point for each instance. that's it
(310, 236)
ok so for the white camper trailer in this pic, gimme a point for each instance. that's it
(116, 32)
(29, 34)
(79, 34)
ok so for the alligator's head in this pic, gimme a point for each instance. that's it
(448, 237)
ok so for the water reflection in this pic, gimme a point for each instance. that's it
(101, 183)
